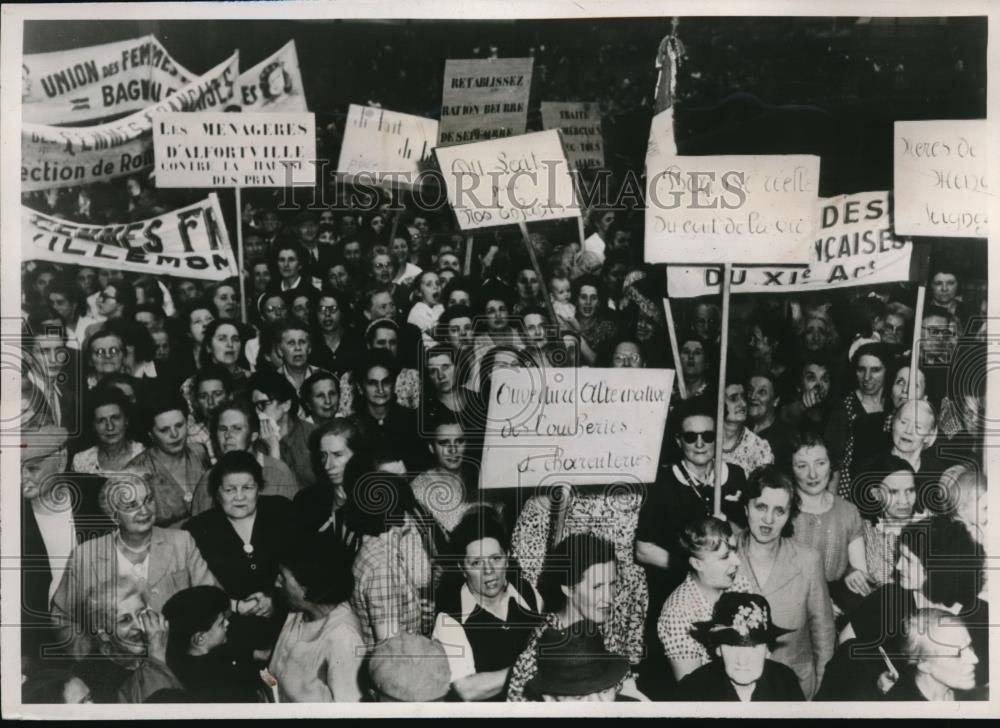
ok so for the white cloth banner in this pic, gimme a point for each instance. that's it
(191, 242)
(274, 84)
(53, 156)
(83, 84)
(853, 246)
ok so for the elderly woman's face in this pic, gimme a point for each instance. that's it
(133, 507)
(893, 328)
(129, 634)
(233, 432)
(913, 427)
(237, 495)
(816, 335)
(107, 355)
(768, 513)
(735, 403)
(110, 425)
(744, 663)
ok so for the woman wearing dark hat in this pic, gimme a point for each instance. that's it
(574, 665)
(740, 635)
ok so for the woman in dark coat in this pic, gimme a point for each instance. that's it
(740, 634)
(240, 538)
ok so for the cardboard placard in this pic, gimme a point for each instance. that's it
(582, 136)
(484, 99)
(940, 178)
(595, 426)
(385, 147)
(742, 209)
(235, 150)
(508, 181)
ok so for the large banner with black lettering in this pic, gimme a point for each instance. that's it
(83, 84)
(591, 426)
(274, 84)
(484, 99)
(191, 242)
(741, 209)
(853, 245)
(54, 156)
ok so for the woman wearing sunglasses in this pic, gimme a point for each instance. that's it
(683, 493)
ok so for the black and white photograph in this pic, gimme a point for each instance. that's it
(464, 355)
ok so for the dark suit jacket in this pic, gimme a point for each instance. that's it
(710, 683)
(295, 452)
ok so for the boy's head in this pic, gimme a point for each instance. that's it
(198, 618)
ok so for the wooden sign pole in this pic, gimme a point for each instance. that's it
(720, 411)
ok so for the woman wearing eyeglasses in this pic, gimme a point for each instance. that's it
(683, 493)
(103, 354)
(335, 348)
(162, 561)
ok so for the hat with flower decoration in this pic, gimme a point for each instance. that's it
(739, 619)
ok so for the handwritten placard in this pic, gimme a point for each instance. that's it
(940, 171)
(385, 147)
(594, 426)
(580, 124)
(484, 99)
(744, 209)
(508, 181)
(853, 246)
(235, 150)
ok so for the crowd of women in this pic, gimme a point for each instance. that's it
(225, 510)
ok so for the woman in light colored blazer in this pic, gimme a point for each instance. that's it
(789, 575)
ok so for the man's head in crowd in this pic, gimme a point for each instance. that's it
(270, 223)
(188, 292)
(306, 227)
(338, 275)
(627, 355)
(458, 292)
(383, 334)
(294, 343)
(939, 336)
(86, 279)
(447, 445)
(353, 252)
(455, 326)
(211, 386)
(198, 618)
(707, 321)
(150, 315)
(320, 396)
(895, 329)
(380, 304)
(272, 308)
(260, 275)
(115, 300)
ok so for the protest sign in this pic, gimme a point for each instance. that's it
(582, 137)
(54, 156)
(274, 84)
(82, 84)
(596, 426)
(484, 99)
(508, 181)
(743, 209)
(216, 149)
(190, 243)
(853, 246)
(940, 172)
(385, 147)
